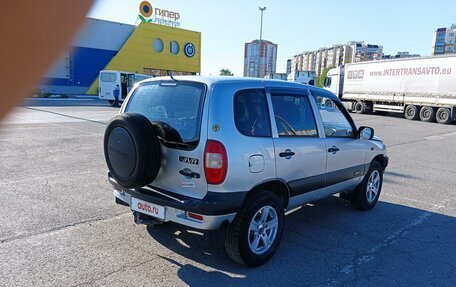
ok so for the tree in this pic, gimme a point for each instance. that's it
(225, 72)
(320, 81)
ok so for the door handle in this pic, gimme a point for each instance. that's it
(188, 173)
(287, 154)
(333, 149)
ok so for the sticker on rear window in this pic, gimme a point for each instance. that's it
(188, 160)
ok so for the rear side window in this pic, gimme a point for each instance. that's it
(251, 113)
(108, 77)
(293, 115)
(177, 104)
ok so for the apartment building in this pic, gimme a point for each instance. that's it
(260, 58)
(444, 41)
(335, 56)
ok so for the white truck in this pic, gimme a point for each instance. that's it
(421, 88)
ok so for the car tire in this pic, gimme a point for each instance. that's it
(366, 194)
(360, 107)
(412, 112)
(132, 150)
(242, 238)
(427, 114)
(443, 116)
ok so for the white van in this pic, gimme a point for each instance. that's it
(108, 80)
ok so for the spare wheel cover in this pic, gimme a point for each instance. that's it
(122, 152)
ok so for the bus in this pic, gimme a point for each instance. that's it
(108, 80)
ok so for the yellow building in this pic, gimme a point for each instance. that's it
(148, 48)
(154, 50)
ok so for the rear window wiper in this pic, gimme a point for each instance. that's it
(178, 144)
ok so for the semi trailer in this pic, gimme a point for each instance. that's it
(420, 88)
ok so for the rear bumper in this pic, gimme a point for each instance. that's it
(215, 207)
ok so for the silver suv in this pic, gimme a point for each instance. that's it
(237, 152)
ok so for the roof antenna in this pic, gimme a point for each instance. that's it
(170, 73)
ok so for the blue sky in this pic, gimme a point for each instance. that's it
(295, 26)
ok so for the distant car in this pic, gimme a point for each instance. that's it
(238, 152)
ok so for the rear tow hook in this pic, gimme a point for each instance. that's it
(145, 219)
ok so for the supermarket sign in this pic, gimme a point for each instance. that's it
(149, 14)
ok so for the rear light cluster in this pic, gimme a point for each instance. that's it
(215, 162)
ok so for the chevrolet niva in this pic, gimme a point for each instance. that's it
(207, 152)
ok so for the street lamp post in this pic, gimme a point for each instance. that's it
(261, 37)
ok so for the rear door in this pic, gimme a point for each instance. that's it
(107, 84)
(299, 149)
(123, 85)
(177, 106)
(346, 155)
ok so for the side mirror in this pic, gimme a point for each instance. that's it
(365, 133)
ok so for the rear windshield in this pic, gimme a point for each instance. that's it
(177, 104)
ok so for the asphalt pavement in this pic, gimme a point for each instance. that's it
(60, 226)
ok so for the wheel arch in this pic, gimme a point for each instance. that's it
(383, 160)
(277, 186)
(418, 106)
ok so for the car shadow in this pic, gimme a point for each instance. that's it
(401, 175)
(327, 243)
(194, 276)
(396, 177)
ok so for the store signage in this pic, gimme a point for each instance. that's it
(148, 14)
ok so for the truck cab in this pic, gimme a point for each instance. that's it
(334, 81)
(303, 77)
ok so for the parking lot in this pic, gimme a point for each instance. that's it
(60, 226)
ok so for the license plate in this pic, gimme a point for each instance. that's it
(148, 208)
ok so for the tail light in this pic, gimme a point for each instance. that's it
(215, 162)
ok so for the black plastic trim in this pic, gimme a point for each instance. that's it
(339, 176)
(312, 183)
(214, 203)
(308, 184)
